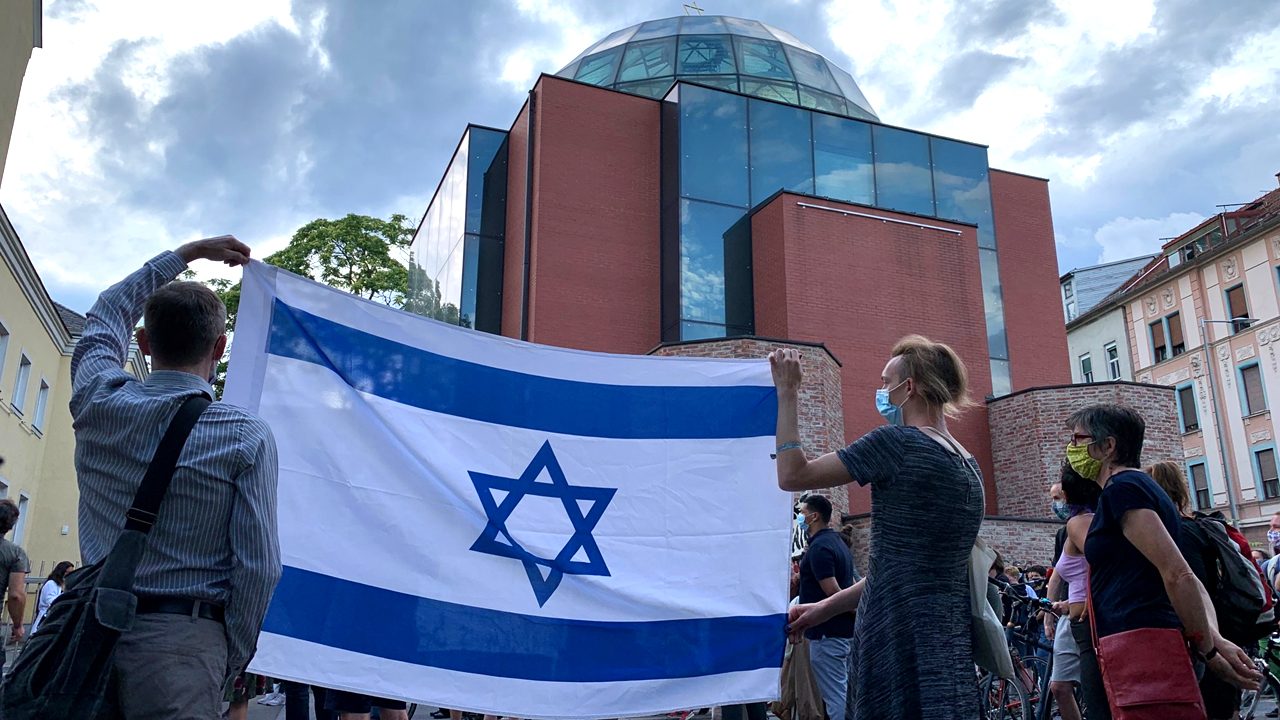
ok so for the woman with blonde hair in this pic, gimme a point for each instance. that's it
(926, 507)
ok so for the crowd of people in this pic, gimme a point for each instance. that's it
(1130, 580)
(1132, 559)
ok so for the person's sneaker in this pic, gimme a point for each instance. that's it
(440, 714)
(273, 699)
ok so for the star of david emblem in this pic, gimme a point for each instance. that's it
(583, 505)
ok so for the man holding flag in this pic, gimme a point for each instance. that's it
(212, 558)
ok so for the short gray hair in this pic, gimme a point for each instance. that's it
(183, 321)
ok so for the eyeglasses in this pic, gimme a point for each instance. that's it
(1077, 438)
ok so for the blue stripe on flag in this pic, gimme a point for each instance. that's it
(427, 380)
(396, 626)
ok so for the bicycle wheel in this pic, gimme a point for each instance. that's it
(1037, 683)
(1261, 703)
(1004, 700)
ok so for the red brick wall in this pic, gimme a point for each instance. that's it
(1029, 439)
(1021, 542)
(821, 421)
(858, 285)
(513, 249)
(595, 248)
(1029, 276)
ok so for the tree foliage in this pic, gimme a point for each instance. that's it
(358, 254)
(352, 254)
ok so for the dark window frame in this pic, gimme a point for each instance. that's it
(1183, 425)
(1246, 404)
(1270, 486)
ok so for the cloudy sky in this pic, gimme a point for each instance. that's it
(146, 123)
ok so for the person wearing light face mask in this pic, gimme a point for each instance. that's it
(1138, 578)
(927, 505)
(1273, 534)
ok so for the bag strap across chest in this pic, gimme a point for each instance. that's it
(141, 516)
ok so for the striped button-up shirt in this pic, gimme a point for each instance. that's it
(215, 538)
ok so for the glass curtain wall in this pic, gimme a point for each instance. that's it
(730, 153)
(455, 268)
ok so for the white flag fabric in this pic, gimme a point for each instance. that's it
(478, 523)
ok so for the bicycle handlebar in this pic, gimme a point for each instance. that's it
(1011, 590)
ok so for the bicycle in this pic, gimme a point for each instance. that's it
(1033, 670)
(1252, 700)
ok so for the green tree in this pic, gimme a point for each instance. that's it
(358, 254)
(352, 254)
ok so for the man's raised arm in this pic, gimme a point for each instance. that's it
(104, 346)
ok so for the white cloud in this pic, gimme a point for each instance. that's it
(51, 165)
(1127, 237)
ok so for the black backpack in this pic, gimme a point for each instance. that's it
(65, 669)
(1238, 594)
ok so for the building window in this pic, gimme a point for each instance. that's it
(903, 177)
(1199, 477)
(20, 386)
(1113, 361)
(1252, 396)
(1265, 460)
(42, 404)
(1069, 299)
(4, 346)
(1086, 368)
(1188, 415)
(842, 159)
(20, 529)
(781, 149)
(1173, 331)
(1237, 308)
(1166, 338)
(1159, 346)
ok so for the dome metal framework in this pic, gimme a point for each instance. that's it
(732, 53)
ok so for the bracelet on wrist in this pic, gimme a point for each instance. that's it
(1211, 654)
(783, 448)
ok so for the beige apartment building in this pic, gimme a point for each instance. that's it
(20, 32)
(37, 337)
(37, 443)
(1203, 317)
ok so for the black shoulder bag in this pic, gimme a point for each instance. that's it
(65, 669)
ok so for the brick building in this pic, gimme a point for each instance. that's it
(713, 186)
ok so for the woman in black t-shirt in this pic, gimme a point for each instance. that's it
(1138, 577)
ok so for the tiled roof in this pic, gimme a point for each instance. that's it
(72, 319)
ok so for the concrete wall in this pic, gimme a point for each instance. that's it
(17, 22)
(1092, 338)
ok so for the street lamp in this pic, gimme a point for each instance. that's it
(1218, 429)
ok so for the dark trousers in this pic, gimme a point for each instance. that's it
(297, 698)
(750, 711)
(1095, 696)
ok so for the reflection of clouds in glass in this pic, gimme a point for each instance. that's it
(848, 184)
(904, 177)
(701, 289)
(446, 217)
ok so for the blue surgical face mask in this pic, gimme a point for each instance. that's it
(890, 412)
(804, 524)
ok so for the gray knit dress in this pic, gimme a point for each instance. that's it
(912, 642)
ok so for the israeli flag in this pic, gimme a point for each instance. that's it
(483, 524)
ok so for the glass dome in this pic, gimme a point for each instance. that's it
(736, 54)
